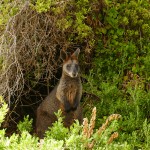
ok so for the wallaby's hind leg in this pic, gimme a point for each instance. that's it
(43, 121)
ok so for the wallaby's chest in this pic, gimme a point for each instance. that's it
(67, 90)
(71, 92)
(69, 87)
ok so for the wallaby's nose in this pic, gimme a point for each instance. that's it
(74, 74)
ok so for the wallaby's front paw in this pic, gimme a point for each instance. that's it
(75, 105)
(67, 106)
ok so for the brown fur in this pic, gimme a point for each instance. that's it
(70, 58)
(66, 96)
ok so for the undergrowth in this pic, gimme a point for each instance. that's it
(119, 78)
(85, 136)
(82, 137)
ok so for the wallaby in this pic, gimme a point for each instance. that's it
(66, 96)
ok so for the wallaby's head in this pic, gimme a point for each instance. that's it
(70, 63)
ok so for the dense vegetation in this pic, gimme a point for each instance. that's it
(114, 37)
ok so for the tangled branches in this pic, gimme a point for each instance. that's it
(29, 54)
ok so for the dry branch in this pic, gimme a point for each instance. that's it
(29, 54)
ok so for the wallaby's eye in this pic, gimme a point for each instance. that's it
(68, 66)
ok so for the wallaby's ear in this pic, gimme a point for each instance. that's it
(63, 55)
(76, 53)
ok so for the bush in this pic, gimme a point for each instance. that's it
(3, 109)
(59, 137)
(118, 78)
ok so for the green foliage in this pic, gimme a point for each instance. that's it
(58, 131)
(26, 125)
(146, 131)
(75, 138)
(70, 21)
(42, 5)
(25, 141)
(3, 109)
(51, 144)
(119, 77)
(70, 138)
(8, 8)
(59, 139)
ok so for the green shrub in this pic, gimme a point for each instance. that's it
(42, 5)
(58, 137)
(3, 109)
(8, 8)
(78, 137)
(58, 131)
(119, 78)
(26, 125)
